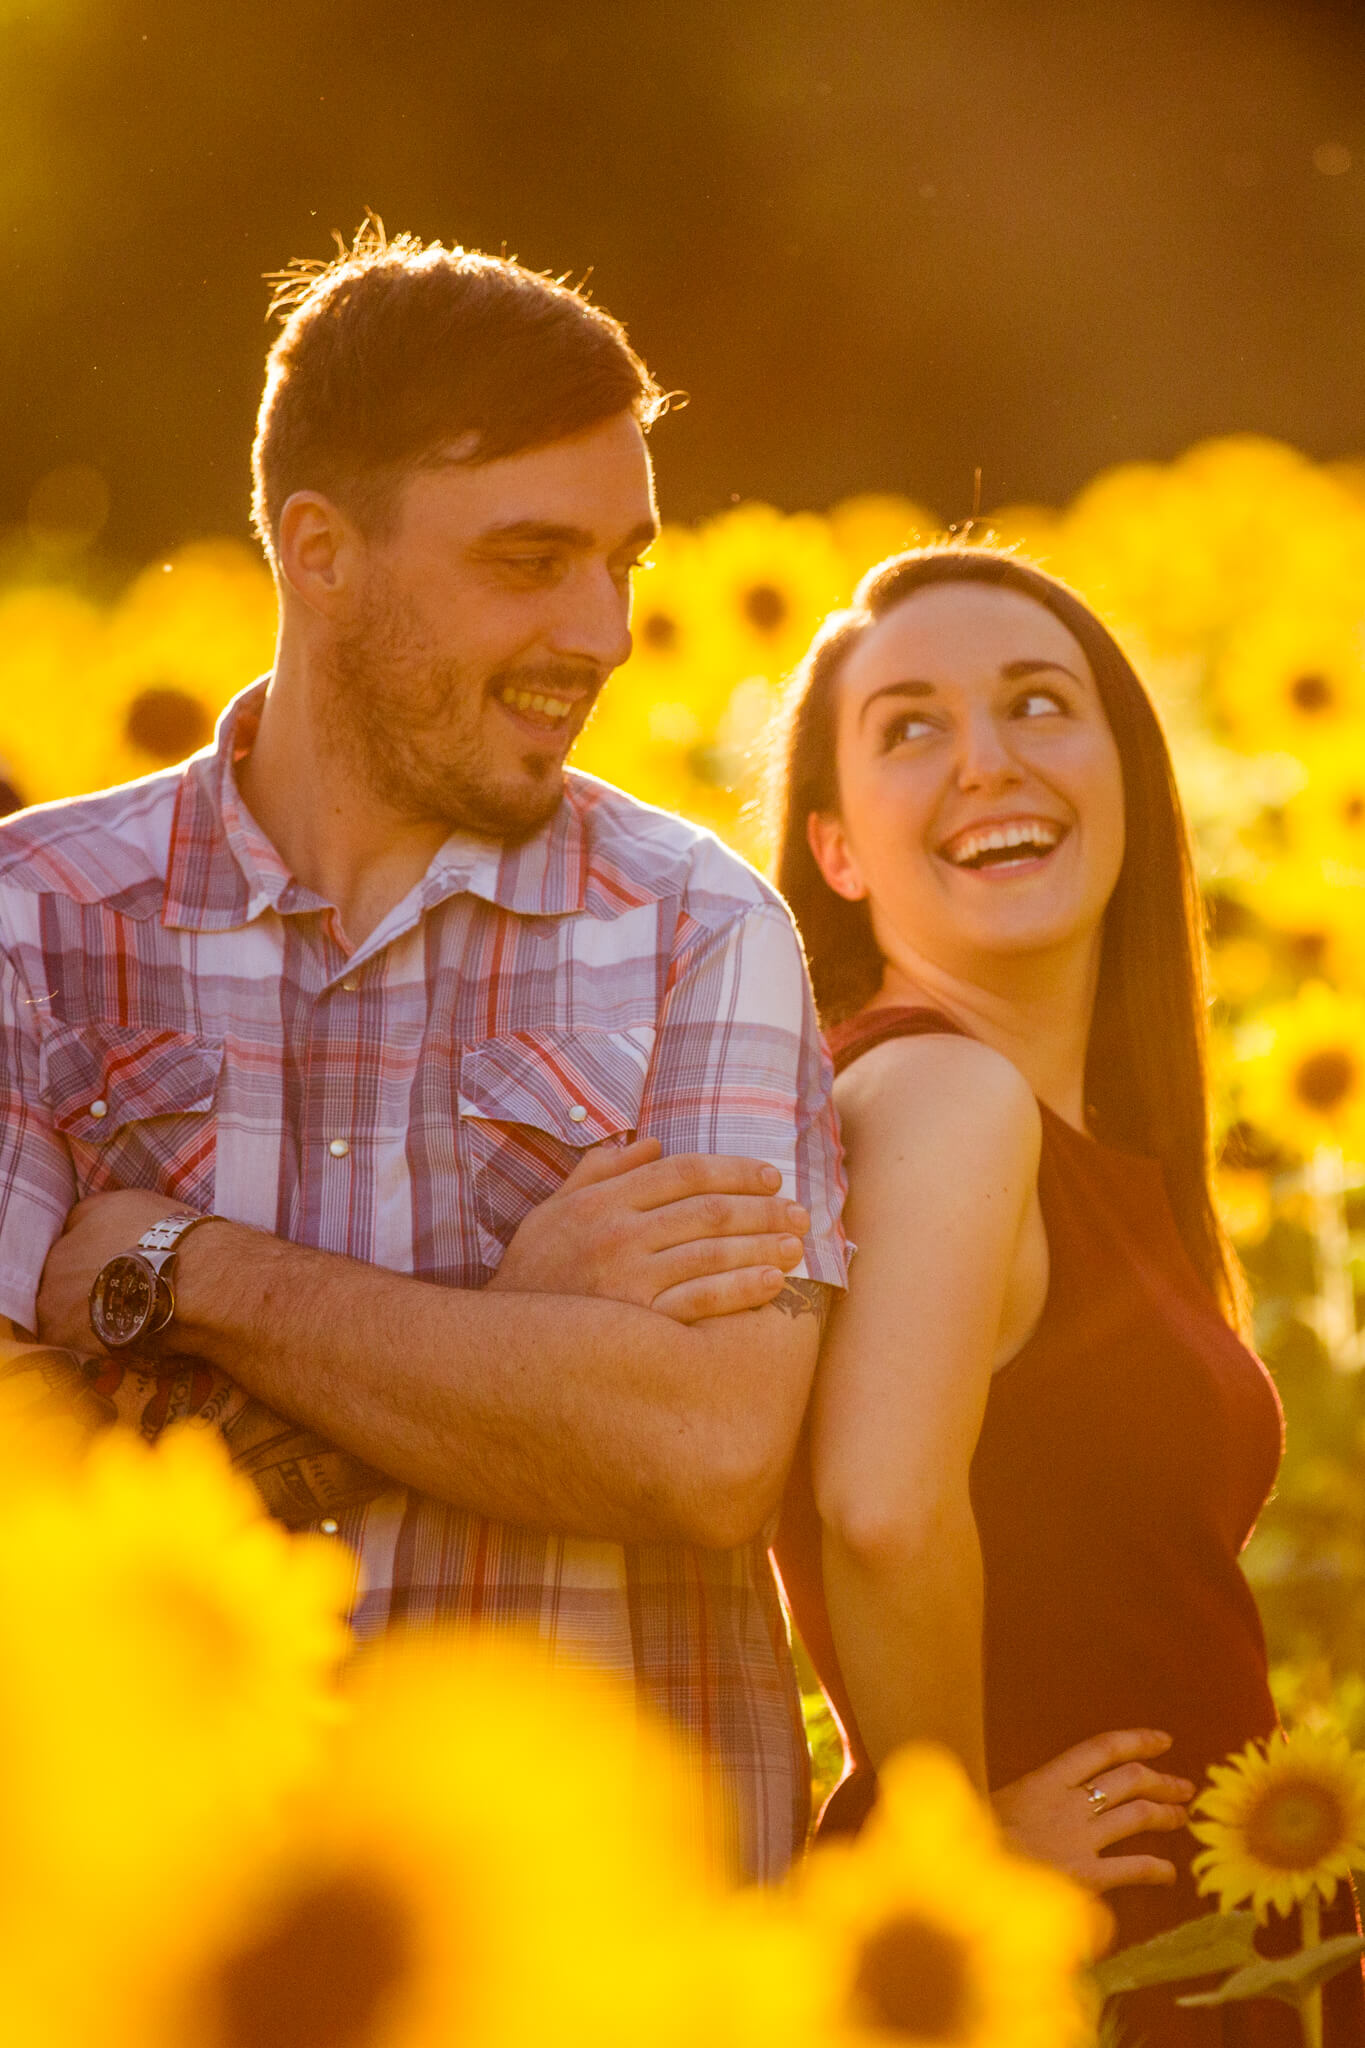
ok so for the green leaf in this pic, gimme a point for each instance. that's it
(1197, 1948)
(1288, 1977)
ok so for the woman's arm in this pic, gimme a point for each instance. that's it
(943, 1139)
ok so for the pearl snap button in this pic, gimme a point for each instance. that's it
(578, 1115)
(329, 1527)
(338, 1148)
(352, 982)
(100, 1108)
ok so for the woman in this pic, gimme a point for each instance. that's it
(1038, 1441)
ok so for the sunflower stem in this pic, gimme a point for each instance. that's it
(1310, 2009)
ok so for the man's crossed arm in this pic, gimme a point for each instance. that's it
(637, 1369)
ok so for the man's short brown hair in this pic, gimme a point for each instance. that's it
(396, 348)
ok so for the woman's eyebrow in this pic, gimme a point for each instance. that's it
(1019, 671)
(909, 688)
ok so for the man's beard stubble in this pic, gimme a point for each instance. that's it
(406, 721)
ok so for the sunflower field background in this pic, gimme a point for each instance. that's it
(1235, 576)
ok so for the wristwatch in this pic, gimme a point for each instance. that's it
(133, 1298)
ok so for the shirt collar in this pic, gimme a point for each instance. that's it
(223, 872)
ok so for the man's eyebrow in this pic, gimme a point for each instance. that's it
(552, 534)
(1012, 672)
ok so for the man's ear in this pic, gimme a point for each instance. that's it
(318, 549)
(834, 857)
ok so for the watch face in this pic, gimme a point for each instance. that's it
(122, 1300)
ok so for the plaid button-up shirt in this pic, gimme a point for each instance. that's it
(178, 1013)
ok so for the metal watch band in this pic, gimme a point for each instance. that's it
(166, 1235)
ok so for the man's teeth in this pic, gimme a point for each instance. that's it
(541, 707)
(977, 849)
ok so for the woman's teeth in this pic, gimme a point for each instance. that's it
(993, 845)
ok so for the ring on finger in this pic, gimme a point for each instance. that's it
(1098, 1798)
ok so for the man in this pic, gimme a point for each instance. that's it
(371, 983)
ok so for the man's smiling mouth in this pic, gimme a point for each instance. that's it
(1008, 843)
(540, 708)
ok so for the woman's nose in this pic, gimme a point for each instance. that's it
(985, 760)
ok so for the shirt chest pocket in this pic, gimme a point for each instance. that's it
(135, 1107)
(530, 1104)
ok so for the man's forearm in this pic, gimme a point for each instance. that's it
(588, 1416)
(299, 1476)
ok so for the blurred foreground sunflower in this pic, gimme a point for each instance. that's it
(497, 1854)
(167, 1666)
(1281, 1821)
(940, 1934)
(1301, 1074)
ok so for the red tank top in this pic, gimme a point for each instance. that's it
(1125, 1454)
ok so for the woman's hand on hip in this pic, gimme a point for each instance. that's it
(1101, 1792)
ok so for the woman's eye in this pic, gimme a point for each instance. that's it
(911, 725)
(1038, 704)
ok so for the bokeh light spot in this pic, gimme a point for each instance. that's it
(1332, 159)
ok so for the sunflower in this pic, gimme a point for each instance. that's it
(939, 1935)
(167, 1661)
(1312, 917)
(1132, 543)
(1283, 1821)
(1302, 1071)
(768, 581)
(1324, 821)
(49, 641)
(497, 1853)
(1291, 677)
(1271, 516)
(186, 636)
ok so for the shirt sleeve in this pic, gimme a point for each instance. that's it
(37, 1180)
(739, 1066)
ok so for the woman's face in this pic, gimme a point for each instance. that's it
(980, 789)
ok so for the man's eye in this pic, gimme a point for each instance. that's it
(534, 568)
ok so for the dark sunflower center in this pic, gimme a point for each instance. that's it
(764, 607)
(913, 1978)
(1295, 1824)
(166, 723)
(1312, 693)
(321, 1975)
(659, 632)
(1325, 1079)
(1353, 810)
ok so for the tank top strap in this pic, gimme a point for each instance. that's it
(850, 1040)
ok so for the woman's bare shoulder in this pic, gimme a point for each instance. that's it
(937, 1089)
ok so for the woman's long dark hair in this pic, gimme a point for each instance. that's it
(1146, 1086)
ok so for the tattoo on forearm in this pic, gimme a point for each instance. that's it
(806, 1298)
(299, 1476)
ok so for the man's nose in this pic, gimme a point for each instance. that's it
(985, 759)
(593, 623)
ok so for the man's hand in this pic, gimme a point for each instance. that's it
(692, 1236)
(97, 1230)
